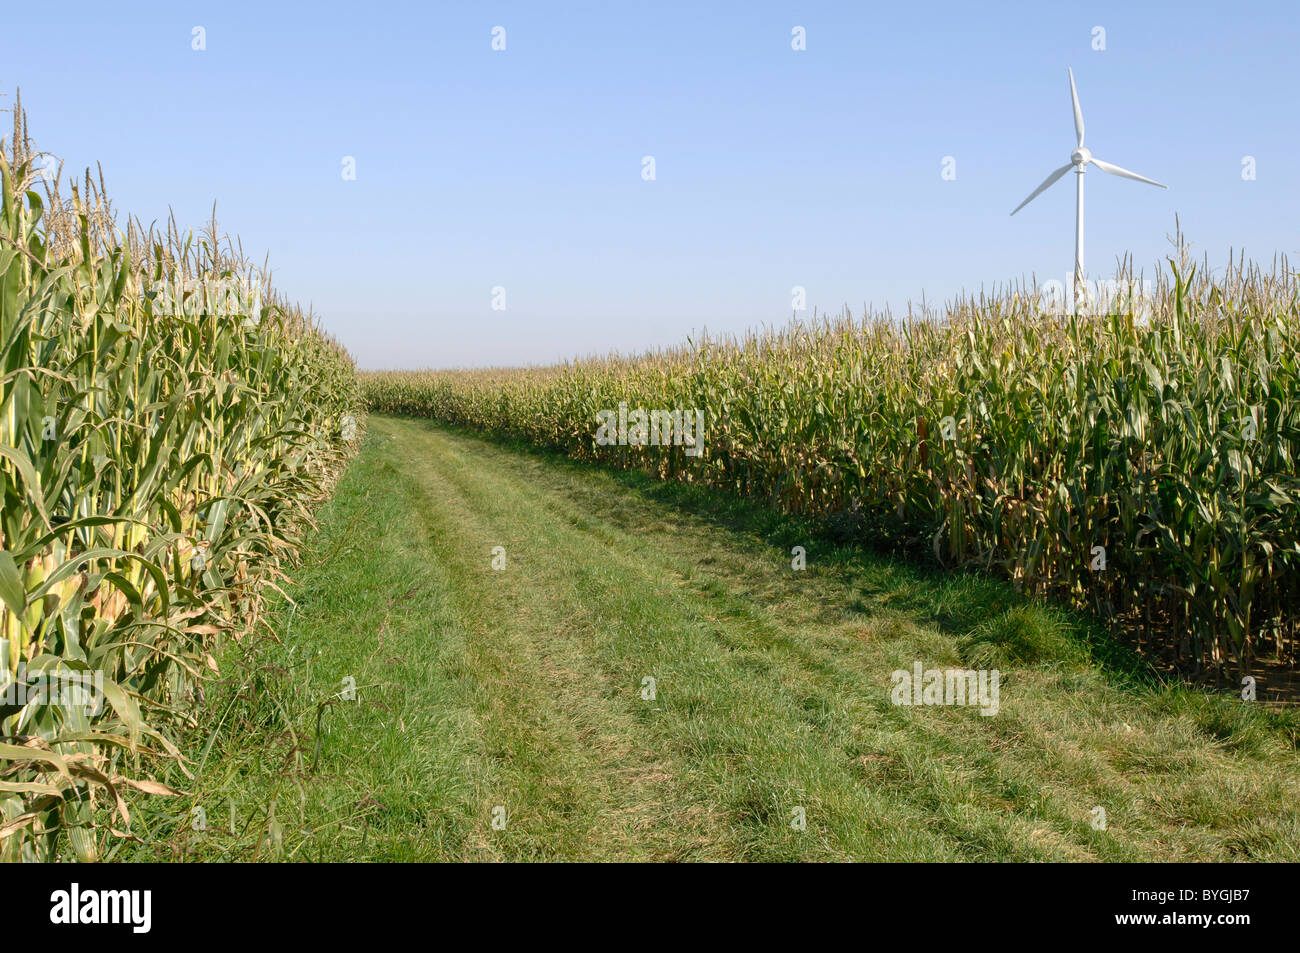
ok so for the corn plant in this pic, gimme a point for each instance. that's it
(158, 458)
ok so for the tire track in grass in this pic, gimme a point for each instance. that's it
(734, 726)
(570, 769)
(838, 683)
(397, 772)
(773, 693)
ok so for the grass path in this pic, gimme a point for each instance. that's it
(522, 689)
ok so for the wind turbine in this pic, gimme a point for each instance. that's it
(1079, 160)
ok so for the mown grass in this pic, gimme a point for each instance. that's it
(522, 689)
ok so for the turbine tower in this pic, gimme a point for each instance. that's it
(1079, 160)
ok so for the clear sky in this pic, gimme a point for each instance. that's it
(522, 168)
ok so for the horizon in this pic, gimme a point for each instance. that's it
(1104, 290)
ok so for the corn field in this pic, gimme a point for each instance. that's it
(159, 454)
(1140, 465)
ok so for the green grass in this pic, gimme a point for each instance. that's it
(521, 688)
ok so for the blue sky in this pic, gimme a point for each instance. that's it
(774, 168)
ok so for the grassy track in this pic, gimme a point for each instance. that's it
(522, 688)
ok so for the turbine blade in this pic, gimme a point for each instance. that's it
(1042, 188)
(1078, 113)
(1125, 173)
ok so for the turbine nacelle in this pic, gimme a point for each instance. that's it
(1081, 156)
